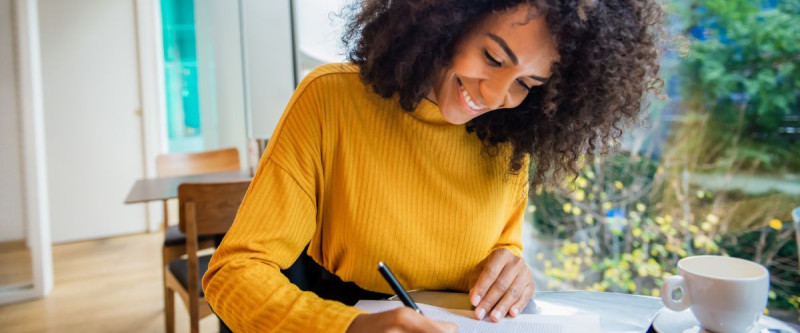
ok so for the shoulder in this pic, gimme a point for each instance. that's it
(329, 75)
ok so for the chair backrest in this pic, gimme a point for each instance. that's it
(212, 206)
(186, 164)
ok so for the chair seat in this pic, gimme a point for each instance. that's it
(180, 269)
(174, 237)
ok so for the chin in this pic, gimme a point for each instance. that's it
(454, 117)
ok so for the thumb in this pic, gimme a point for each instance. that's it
(447, 327)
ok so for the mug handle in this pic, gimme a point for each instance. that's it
(672, 283)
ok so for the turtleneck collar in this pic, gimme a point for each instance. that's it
(429, 112)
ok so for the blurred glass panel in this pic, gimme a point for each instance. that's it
(180, 67)
(714, 170)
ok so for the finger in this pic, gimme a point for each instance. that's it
(520, 305)
(446, 327)
(512, 296)
(409, 320)
(498, 289)
(494, 265)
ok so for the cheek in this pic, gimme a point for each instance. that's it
(468, 64)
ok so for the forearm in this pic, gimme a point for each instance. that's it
(251, 295)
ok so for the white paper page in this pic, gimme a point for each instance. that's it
(524, 323)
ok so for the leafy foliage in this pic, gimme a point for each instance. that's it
(743, 70)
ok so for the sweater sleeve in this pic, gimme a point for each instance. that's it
(511, 236)
(277, 218)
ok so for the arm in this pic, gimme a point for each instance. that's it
(276, 220)
(505, 284)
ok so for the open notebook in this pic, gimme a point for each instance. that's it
(527, 323)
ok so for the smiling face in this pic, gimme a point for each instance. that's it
(494, 65)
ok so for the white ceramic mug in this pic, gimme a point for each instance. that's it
(726, 295)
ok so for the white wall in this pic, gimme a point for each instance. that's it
(12, 219)
(220, 78)
(319, 31)
(93, 128)
(268, 54)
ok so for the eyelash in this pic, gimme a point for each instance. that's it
(495, 63)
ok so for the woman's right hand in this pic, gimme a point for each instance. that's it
(398, 320)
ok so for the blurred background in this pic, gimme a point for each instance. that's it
(713, 168)
(93, 91)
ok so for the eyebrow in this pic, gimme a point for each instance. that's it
(500, 41)
(505, 47)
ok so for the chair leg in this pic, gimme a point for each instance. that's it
(169, 310)
(169, 296)
(194, 316)
(165, 225)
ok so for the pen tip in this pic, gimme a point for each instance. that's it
(380, 264)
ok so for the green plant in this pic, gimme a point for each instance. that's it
(742, 72)
(625, 221)
(607, 234)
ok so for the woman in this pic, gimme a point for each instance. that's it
(417, 154)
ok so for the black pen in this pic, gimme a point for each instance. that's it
(398, 289)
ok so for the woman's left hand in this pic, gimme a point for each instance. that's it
(504, 286)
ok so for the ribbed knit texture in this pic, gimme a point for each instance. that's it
(363, 181)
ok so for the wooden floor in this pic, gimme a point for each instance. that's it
(15, 264)
(108, 285)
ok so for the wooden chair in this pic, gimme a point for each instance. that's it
(204, 209)
(185, 164)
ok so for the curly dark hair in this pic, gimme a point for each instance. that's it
(609, 60)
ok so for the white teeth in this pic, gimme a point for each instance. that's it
(468, 98)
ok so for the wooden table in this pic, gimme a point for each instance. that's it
(152, 189)
(618, 313)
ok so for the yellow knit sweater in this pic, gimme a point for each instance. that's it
(363, 181)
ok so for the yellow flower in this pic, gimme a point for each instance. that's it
(701, 194)
(712, 218)
(569, 248)
(582, 182)
(539, 256)
(655, 292)
(776, 224)
(589, 174)
(607, 205)
(531, 208)
(693, 229)
(706, 226)
(579, 195)
(640, 207)
(618, 184)
(588, 219)
(567, 207)
(636, 232)
(576, 211)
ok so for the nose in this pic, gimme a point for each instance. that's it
(496, 90)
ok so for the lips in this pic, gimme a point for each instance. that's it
(468, 100)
